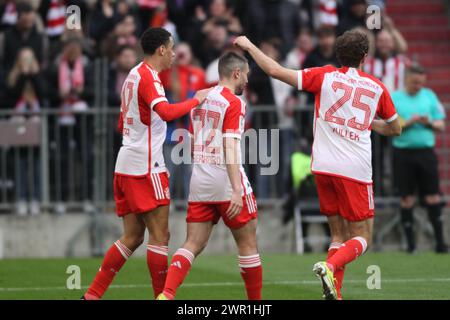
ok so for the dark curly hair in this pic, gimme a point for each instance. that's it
(351, 47)
(153, 38)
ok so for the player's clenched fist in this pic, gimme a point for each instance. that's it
(243, 42)
(202, 94)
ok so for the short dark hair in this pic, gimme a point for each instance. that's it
(230, 61)
(153, 38)
(24, 7)
(415, 68)
(351, 47)
(326, 31)
(121, 49)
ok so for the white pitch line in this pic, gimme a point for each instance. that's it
(222, 284)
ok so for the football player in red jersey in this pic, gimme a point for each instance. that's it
(141, 180)
(347, 101)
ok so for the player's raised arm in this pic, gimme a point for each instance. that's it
(268, 65)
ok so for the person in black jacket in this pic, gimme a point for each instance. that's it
(24, 34)
(25, 94)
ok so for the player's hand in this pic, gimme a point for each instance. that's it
(236, 205)
(243, 42)
(414, 119)
(202, 94)
(425, 121)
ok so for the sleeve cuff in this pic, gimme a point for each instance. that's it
(157, 100)
(300, 80)
(395, 116)
(232, 135)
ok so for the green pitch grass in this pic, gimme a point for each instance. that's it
(421, 276)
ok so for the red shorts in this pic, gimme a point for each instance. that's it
(350, 199)
(141, 194)
(211, 211)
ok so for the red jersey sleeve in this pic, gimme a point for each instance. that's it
(151, 91)
(233, 122)
(386, 109)
(311, 79)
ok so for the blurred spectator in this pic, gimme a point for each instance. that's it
(124, 34)
(72, 76)
(389, 63)
(72, 67)
(354, 15)
(26, 91)
(215, 41)
(219, 10)
(26, 84)
(254, 19)
(181, 82)
(86, 43)
(264, 90)
(182, 13)
(160, 19)
(185, 78)
(416, 163)
(147, 9)
(323, 53)
(272, 19)
(126, 58)
(8, 14)
(53, 14)
(24, 34)
(102, 20)
(328, 13)
(297, 55)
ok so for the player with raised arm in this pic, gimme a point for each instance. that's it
(219, 187)
(141, 180)
(347, 100)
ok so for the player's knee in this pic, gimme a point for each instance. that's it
(247, 248)
(161, 237)
(132, 242)
(196, 246)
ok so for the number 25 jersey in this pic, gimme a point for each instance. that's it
(346, 102)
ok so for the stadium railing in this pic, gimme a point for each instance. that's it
(71, 164)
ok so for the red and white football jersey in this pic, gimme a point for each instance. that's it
(221, 115)
(143, 131)
(346, 102)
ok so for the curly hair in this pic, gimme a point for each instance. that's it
(153, 38)
(351, 47)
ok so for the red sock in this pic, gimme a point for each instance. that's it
(114, 259)
(178, 270)
(349, 251)
(334, 246)
(338, 274)
(157, 266)
(251, 272)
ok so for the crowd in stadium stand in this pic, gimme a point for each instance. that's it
(44, 64)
